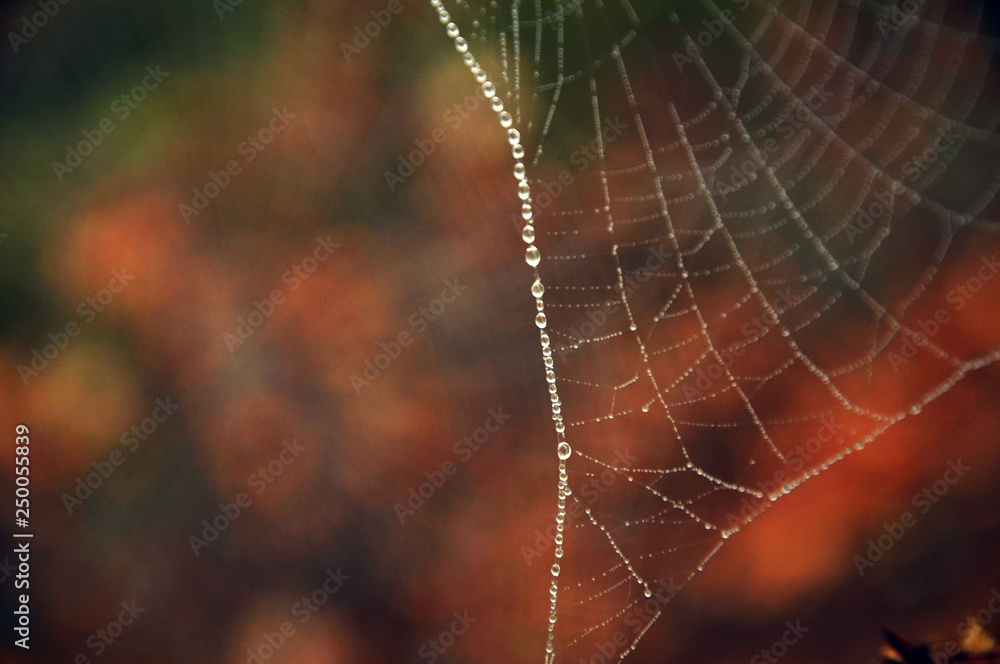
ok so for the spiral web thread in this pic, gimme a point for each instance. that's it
(742, 217)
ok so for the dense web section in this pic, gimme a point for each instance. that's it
(751, 224)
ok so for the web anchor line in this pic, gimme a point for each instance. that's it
(532, 257)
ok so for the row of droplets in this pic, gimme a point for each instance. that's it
(532, 257)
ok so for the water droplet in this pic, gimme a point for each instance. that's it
(488, 89)
(444, 16)
(916, 409)
(564, 451)
(496, 104)
(468, 59)
(505, 120)
(555, 570)
(540, 321)
(645, 408)
(633, 327)
(513, 136)
(559, 552)
(528, 235)
(560, 426)
(519, 171)
(452, 30)
(517, 151)
(460, 45)
(550, 377)
(523, 190)
(537, 289)
(532, 256)
(648, 592)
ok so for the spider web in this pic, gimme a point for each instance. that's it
(743, 217)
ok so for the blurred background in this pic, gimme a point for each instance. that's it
(212, 294)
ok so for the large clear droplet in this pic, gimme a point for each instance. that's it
(564, 451)
(488, 89)
(513, 136)
(519, 171)
(532, 256)
(460, 45)
(555, 570)
(505, 120)
(523, 190)
(452, 30)
(528, 235)
(537, 289)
